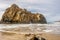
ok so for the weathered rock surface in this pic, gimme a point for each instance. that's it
(14, 14)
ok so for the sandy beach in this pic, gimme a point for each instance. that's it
(13, 36)
(49, 36)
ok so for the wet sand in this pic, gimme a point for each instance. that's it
(13, 36)
(49, 36)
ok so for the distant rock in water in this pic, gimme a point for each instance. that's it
(14, 14)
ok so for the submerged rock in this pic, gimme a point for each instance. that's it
(14, 14)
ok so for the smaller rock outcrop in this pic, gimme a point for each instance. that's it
(14, 14)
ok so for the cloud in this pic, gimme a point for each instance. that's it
(55, 18)
(3, 6)
(35, 1)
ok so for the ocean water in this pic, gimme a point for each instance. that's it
(47, 28)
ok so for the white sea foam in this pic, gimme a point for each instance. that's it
(51, 28)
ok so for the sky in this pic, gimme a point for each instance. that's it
(49, 8)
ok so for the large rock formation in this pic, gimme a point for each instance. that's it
(14, 14)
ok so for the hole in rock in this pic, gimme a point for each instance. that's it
(43, 39)
(35, 38)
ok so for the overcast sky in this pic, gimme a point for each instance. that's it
(49, 8)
